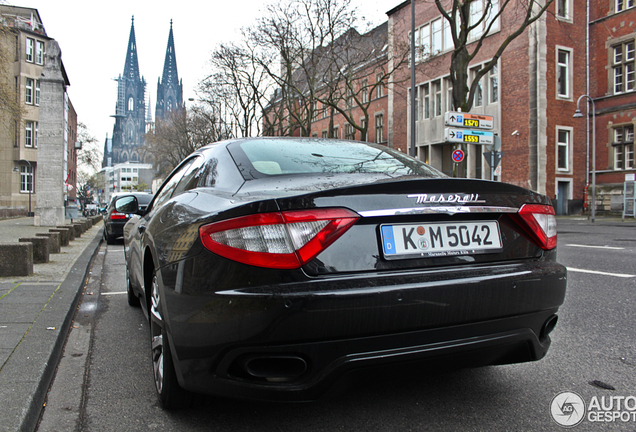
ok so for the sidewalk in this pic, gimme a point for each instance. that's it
(35, 316)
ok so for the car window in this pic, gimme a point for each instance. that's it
(190, 177)
(170, 185)
(270, 157)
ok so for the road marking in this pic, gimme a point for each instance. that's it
(114, 293)
(595, 247)
(620, 275)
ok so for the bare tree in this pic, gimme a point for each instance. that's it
(296, 33)
(11, 110)
(89, 158)
(178, 135)
(235, 89)
(358, 65)
(470, 26)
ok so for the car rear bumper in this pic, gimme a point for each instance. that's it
(293, 341)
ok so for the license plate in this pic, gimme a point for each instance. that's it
(440, 239)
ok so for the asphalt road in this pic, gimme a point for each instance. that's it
(593, 354)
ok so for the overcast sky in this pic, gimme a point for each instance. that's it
(93, 37)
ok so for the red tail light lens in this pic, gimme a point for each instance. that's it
(115, 216)
(541, 223)
(284, 240)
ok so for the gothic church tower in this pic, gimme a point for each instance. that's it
(169, 88)
(130, 111)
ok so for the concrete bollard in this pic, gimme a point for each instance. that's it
(65, 237)
(71, 232)
(40, 248)
(55, 246)
(16, 259)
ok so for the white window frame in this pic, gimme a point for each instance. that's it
(622, 5)
(28, 94)
(364, 88)
(39, 52)
(379, 128)
(567, 146)
(493, 84)
(37, 92)
(623, 66)
(564, 10)
(623, 147)
(28, 50)
(26, 179)
(28, 133)
(35, 134)
(478, 100)
(379, 89)
(564, 70)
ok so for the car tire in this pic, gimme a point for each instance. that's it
(171, 395)
(133, 300)
(109, 238)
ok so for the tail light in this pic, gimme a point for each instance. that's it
(540, 223)
(116, 215)
(284, 240)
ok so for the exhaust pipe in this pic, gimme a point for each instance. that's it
(548, 326)
(276, 368)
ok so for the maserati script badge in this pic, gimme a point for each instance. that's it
(446, 198)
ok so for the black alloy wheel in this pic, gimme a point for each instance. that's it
(171, 395)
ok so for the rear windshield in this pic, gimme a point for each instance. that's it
(270, 157)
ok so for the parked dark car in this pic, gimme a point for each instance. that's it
(114, 221)
(270, 267)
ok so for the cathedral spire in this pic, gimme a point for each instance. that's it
(131, 68)
(169, 88)
(170, 74)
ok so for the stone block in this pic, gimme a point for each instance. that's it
(71, 231)
(65, 237)
(16, 259)
(55, 245)
(40, 248)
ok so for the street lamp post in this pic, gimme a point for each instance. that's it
(578, 114)
(16, 169)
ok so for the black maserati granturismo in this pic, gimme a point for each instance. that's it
(270, 267)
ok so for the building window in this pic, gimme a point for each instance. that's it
(37, 92)
(563, 149)
(436, 39)
(477, 10)
(379, 89)
(349, 132)
(336, 132)
(26, 178)
(325, 134)
(426, 103)
(35, 134)
(379, 128)
(449, 95)
(563, 73)
(479, 92)
(623, 67)
(493, 85)
(29, 50)
(624, 4)
(131, 104)
(437, 88)
(425, 43)
(364, 89)
(39, 52)
(28, 134)
(447, 36)
(29, 91)
(624, 147)
(563, 9)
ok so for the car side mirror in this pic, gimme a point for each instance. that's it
(128, 204)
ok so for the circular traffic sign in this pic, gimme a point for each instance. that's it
(458, 156)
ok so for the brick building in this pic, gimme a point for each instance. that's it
(532, 95)
(358, 87)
